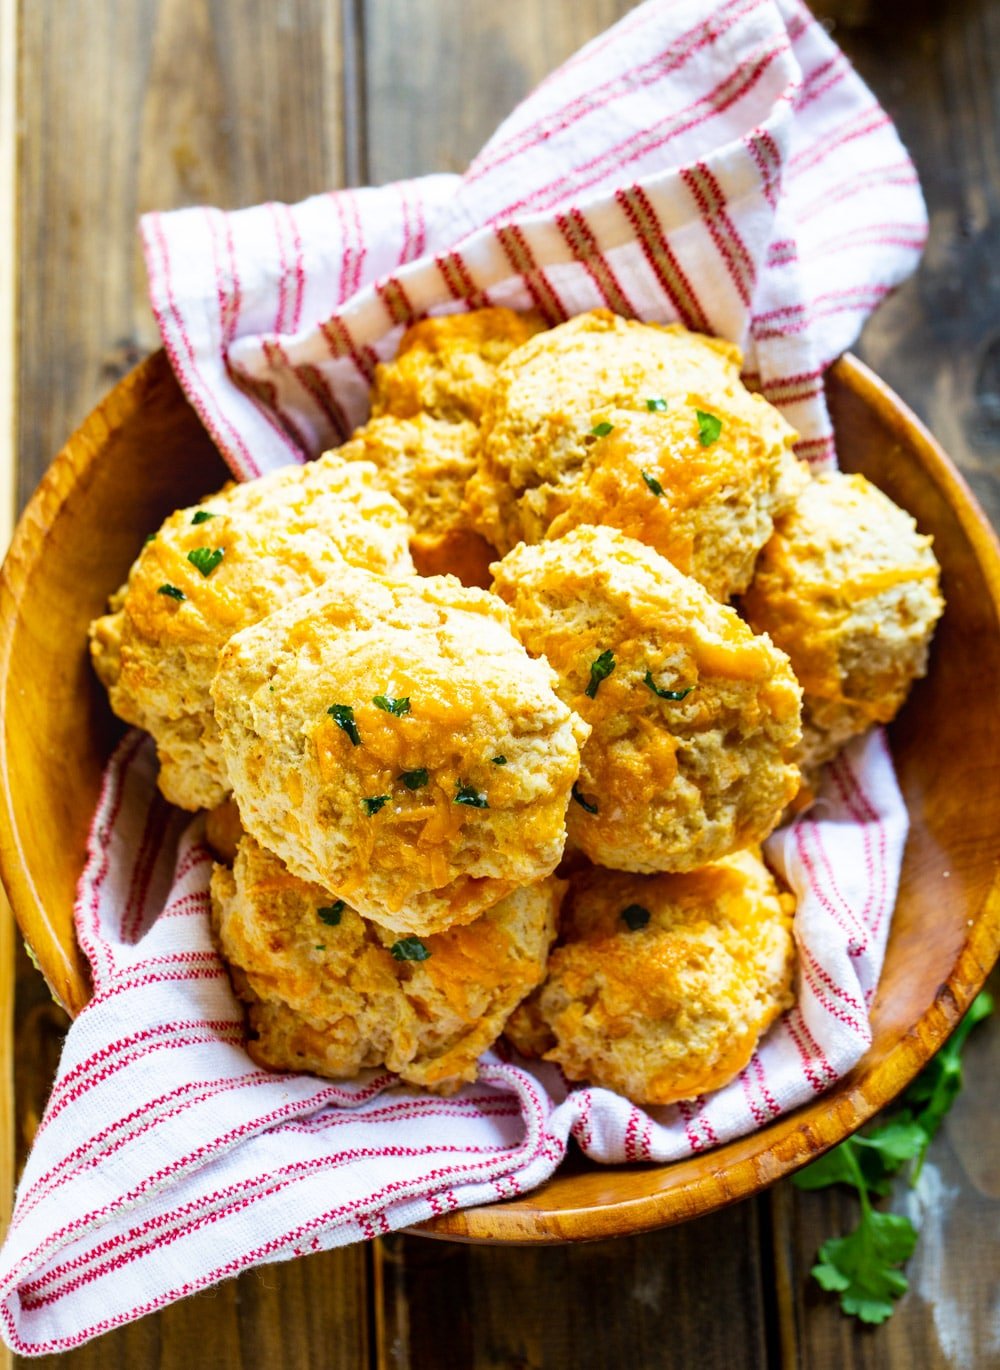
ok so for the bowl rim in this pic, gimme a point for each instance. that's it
(761, 1157)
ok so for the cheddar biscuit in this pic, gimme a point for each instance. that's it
(645, 428)
(394, 743)
(694, 719)
(426, 463)
(213, 569)
(331, 993)
(446, 365)
(662, 985)
(849, 589)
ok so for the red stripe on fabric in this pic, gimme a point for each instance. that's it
(867, 816)
(822, 987)
(515, 248)
(870, 121)
(279, 323)
(644, 141)
(341, 346)
(711, 203)
(314, 383)
(816, 887)
(893, 174)
(150, 846)
(580, 240)
(458, 279)
(299, 269)
(670, 275)
(810, 1055)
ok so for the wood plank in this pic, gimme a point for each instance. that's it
(127, 107)
(692, 1295)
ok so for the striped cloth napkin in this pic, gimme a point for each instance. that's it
(720, 164)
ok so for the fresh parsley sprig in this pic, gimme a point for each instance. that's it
(862, 1268)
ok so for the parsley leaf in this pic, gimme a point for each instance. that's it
(665, 694)
(388, 705)
(862, 1267)
(499, 761)
(467, 795)
(202, 516)
(600, 670)
(375, 802)
(343, 716)
(150, 537)
(601, 430)
(172, 591)
(330, 913)
(205, 559)
(635, 917)
(586, 804)
(414, 780)
(409, 949)
(656, 405)
(653, 484)
(709, 427)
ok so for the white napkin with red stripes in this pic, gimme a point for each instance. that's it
(717, 163)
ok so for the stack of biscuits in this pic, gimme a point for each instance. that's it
(486, 747)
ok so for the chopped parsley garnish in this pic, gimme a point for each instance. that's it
(600, 670)
(601, 430)
(653, 484)
(374, 802)
(202, 516)
(388, 705)
(499, 761)
(665, 694)
(862, 1268)
(414, 780)
(330, 913)
(320, 946)
(150, 537)
(656, 405)
(205, 558)
(584, 803)
(343, 716)
(709, 427)
(409, 949)
(472, 797)
(172, 591)
(635, 917)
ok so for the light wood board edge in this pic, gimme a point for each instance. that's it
(8, 484)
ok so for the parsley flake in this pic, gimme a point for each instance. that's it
(665, 694)
(499, 761)
(409, 949)
(330, 913)
(653, 484)
(374, 802)
(202, 516)
(319, 946)
(343, 716)
(414, 780)
(656, 405)
(172, 591)
(600, 669)
(635, 917)
(588, 805)
(601, 430)
(388, 705)
(709, 427)
(466, 794)
(205, 559)
(150, 537)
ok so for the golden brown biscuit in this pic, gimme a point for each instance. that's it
(695, 720)
(662, 985)
(426, 463)
(849, 589)
(446, 365)
(645, 428)
(213, 569)
(328, 993)
(393, 742)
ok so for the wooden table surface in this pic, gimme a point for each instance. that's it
(127, 105)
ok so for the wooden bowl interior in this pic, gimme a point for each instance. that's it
(143, 452)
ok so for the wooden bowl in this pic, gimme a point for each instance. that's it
(142, 453)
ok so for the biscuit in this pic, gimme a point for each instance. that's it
(393, 742)
(645, 428)
(694, 719)
(662, 985)
(327, 993)
(213, 569)
(849, 589)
